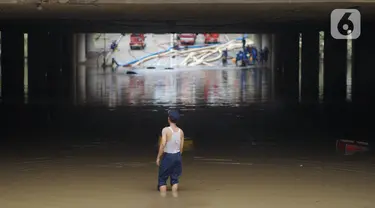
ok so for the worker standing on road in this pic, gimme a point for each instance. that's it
(225, 57)
(239, 57)
(255, 54)
(245, 59)
(176, 47)
(261, 56)
(178, 40)
(169, 156)
(249, 51)
(114, 46)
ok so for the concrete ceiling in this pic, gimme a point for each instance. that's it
(258, 16)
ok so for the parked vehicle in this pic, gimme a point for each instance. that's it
(137, 41)
(211, 38)
(187, 38)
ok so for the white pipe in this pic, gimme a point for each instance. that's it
(199, 56)
(226, 38)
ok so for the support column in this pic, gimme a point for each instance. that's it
(363, 75)
(37, 66)
(74, 71)
(90, 43)
(81, 48)
(12, 65)
(68, 66)
(310, 67)
(81, 84)
(276, 66)
(275, 46)
(54, 78)
(257, 41)
(335, 68)
(290, 66)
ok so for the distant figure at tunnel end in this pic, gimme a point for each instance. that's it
(169, 157)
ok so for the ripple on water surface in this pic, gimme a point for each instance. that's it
(193, 87)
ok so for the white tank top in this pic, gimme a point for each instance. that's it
(173, 145)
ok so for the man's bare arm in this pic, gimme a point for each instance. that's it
(163, 141)
(182, 142)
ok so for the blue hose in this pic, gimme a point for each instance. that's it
(152, 54)
(164, 51)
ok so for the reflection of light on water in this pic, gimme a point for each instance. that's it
(186, 88)
(112, 94)
(169, 88)
(243, 85)
(165, 90)
(81, 85)
(135, 89)
(264, 87)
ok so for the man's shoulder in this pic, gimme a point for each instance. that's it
(165, 130)
(181, 130)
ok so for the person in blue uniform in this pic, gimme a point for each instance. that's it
(114, 46)
(255, 54)
(249, 49)
(225, 57)
(239, 57)
(176, 46)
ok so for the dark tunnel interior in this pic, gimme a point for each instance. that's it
(81, 120)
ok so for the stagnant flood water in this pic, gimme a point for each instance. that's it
(106, 102)
(189, 87)
(249, 148)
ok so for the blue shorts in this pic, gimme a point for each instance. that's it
(170, 166)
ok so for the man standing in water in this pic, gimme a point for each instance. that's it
(169, 156)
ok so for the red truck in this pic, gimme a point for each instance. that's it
(137, 40)
(211, 38)
(187, 38)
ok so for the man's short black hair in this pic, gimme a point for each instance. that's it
(173, 116)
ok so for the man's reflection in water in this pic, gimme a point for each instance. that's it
(224, 76)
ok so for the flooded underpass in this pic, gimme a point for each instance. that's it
(249, 144)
